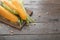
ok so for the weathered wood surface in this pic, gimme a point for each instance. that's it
(46, 26)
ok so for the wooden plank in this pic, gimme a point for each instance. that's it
(31, 37)
(33, 28)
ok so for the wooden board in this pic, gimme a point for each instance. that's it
(15, 25)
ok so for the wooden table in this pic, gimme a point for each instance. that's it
(46, 26)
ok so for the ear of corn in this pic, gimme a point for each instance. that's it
(19, 9)
(23, 14)
(8, 15)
